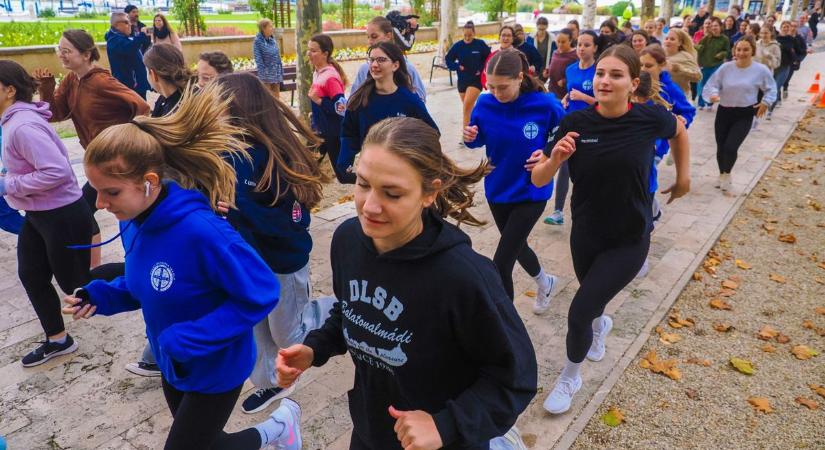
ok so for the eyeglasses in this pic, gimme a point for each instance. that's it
(62, 51)
(378, 59)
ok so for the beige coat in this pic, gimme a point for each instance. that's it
(171, 39)
(684, 70)
(769, 54)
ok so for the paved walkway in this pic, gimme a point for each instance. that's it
(87, 400)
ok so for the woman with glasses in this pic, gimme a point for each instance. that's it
(387, 92)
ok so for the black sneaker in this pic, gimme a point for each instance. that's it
(49, 350)
(144, 369)
(262, 398)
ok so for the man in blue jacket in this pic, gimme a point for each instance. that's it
(125, 55)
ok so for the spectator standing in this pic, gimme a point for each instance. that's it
(125, 54)
(162, 32)
(268, 57)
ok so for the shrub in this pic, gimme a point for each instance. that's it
(48, 12)
(224, 12)
(329, 8)
(225, 31)
(525, 7)
(573, 8)
(86, 15)
(331, 25)
(603, 11)
(618, 8)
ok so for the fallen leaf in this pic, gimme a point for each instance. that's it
(613, 417)
(776, 277)
(810, 404)
(767, 333)
(722, 327)
(692, 394)
(761, 404)
(768, 227)
(531, 294)
(667, 368)
(698, 362)
(772, 219)
(726, 293)
(675, 321)
(819, 280)
(718, 303)
(803, 352)
(782, 339)
(742, 365)
(809, 324)
(667, 338)
(788, 238)
(730, 284)
(743, 265)
(346, 198)
(767, 348)
(820, 390)
(697, 276)
(821, 265)
(820, 310)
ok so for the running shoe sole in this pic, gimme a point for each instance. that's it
(276, 397)
(70, 349)
(137, 370)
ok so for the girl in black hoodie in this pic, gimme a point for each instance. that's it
(442, 359)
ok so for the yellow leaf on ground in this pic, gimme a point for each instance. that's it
(776, 277)
(820, 310)
(613, 417)
(346, 198)
(718, 303)
(810, 404)
(730, 284)
(722, 327)
(531, 294)
(743, 265)
(782, 339)
(767, 333)
(821, 265)
(787, 238)
(820, 390)
(742, 365)
(667, 367)
(809, 324)
(675, 321)
(819, 280)
(761, 404)
(726, 293)
(803, 352)
(767, 348)
(768, 227)
(698, 362)
(697, 276)
(772, 219)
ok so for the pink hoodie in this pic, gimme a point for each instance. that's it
(39, 175)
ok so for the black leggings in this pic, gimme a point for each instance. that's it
(198, 421)
(332, 147)
(515, 221)
(90, 196)
(42, 252)
(732, 126)
(603, 270)
(562, 186)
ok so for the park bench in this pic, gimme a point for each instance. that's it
(438, 63)
(68, 10)
(290, 83)
(207, 9)
(241, 8)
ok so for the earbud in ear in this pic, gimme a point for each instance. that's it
(148, 188)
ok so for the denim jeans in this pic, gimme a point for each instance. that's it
(780, 75)
(706, 74)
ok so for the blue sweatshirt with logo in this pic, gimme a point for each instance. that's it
(680, 106)
(580, 80)
(201, 288)
(511, 132)
(471, 57)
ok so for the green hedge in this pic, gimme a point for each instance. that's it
(16, 34)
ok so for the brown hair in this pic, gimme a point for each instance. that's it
(83, 42)
(192, 141)
(510, 63)
(656, 52)
(361, 97)
(650, 89)
(382, 23)
(218, 60)
(755, 28)
(641, 33)
(418, 144)
(325, 44)
(167, 62)
(750, 41)
(166, 25)
(13, 74)
(291, 163)
(629, 58)
(507, 27)
(263, 24)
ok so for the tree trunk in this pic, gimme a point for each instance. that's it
(711, 6)
(308, 15)
(589, 18)
(447, 26)
(770, 7)
(648, 10)
(795, 9)
(667, 10)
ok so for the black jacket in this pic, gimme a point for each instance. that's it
(429, 327)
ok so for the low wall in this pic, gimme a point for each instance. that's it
(43, 56)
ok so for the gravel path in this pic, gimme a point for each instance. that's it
(772, 258)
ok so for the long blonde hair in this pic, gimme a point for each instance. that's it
(685, 42)
(192, 141)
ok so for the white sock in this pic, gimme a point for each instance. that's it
(571, 370)
(270, 431)
(542, 279)
(59, 341)
(597, 324)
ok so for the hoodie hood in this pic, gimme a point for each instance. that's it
(39, 108)
(437, 236)
(178, 203)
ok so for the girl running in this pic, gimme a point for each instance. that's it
(37, 177)
(517, 118)
(544, 44)
(444, 363)
(199, 317)
(327, 95)
(563, 57)
(90, 97)
(787, 43)
(169, 76)
(736, 89)
(609, 148)
(211, 65)
(639, 40)
(467, 58)
(274, 192)
(506, 36)
(386, 93)
(684, 70)
(580, 95)
(712, 51)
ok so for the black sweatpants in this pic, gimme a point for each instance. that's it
(731, 126)
(198, 421)
(332, 147)
(515, 221)
(603, 270)
(42, 252)
(90, 196)
(562, 186)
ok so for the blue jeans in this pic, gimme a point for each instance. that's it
(706, 74)
(780, 75)
(10, 220)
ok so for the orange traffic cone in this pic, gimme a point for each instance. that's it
(821, 103)
(814, 89)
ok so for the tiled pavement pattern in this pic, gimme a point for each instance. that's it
(87, 400)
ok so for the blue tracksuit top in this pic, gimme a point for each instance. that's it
(201, 288)
(511, 132)
(580, 80)
(471, 56)
(681, 106)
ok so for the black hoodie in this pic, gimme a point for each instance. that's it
(429, 327)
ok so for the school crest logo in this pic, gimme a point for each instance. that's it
(297, 215)
(587, 85)
(530, 130)
(161, 276)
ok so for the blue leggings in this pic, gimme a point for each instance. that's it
(706, 74)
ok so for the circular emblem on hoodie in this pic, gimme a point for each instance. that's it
(530, 130)
(161, 276)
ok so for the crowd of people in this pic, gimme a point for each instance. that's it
(213, 188)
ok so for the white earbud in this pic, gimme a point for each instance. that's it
(148, 188)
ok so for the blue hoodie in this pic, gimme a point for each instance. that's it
(202, 290)
(681, 106)
(126, 59)
(512, 132)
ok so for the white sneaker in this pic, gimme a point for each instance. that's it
(726, 184)
(288, 414)
(562, 395)
(644, 270)
(597, 348)
(543, 296)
